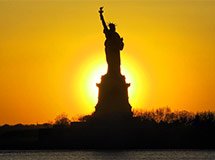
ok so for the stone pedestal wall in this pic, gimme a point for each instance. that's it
(113, 100)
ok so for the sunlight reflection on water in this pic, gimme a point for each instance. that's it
(109, 155)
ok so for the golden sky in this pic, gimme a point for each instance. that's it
(52, 55)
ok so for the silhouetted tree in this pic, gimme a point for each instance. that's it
(62, 121)
(204, 119)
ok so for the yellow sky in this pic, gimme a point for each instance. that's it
(52, 54)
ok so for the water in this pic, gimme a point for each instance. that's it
(109, 155)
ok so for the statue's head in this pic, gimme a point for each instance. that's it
(112, 26)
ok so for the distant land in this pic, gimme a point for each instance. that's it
(159, 129)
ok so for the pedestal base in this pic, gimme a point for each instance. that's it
(113, 101)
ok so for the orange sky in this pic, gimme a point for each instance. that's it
(52, 55)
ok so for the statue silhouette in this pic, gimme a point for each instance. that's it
(113, 104)
(113, 45)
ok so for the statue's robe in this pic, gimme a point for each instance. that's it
(113, 45)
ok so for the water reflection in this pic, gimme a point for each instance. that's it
(109, 155)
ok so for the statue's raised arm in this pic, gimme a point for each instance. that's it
(113, 45)
(102, 19)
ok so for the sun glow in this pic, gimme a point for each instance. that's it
(91, 72)
(136, 76)
(52, 55)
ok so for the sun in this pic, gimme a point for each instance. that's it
(90, 72)
(94, 77)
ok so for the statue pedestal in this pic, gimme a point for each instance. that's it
(113, 104)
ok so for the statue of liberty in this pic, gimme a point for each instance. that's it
(113, 104)
(113, 45)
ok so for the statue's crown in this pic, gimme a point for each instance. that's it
(112, 24)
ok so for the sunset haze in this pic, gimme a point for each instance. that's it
(52, 55)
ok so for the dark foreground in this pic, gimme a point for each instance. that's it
(130, 135)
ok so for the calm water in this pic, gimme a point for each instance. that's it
(108, 155)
